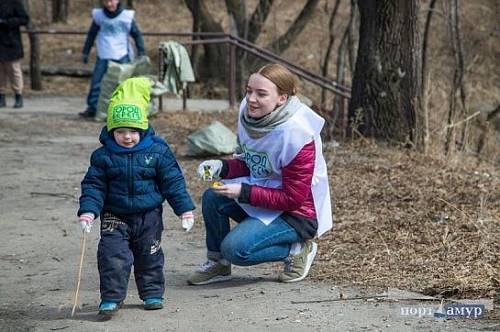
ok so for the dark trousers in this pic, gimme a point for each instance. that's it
(134, 241)
(250, 242)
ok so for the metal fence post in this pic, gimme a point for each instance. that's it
(236, 44)
(35, 73)
(160, 77)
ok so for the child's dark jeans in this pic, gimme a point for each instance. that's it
(134, 240)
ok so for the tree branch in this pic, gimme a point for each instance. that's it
(207, 23)
(338, 100)
(458, 77)
(425, 74)
(285, 40)
(215, 56)
(350, 40)
(331, 40)
(258, 18)
(425, 43)
(237, 9)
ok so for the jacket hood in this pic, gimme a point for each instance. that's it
(114, 14)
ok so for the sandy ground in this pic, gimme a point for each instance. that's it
(44, 151)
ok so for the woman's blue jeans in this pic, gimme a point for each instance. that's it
(100, 68)
(251, 242)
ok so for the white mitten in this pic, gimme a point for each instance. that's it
(209, 170)
(187, 219)
(86, 221)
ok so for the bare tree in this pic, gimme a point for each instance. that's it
(425, 74)
(345, 50)
(258, 19)
(458, 83)
(214, 59)
(386, 84)
(130, 3)
(247, 27)
(60, 10)
(338, 101)
(285, 40)
(331, 39)
(351, 36)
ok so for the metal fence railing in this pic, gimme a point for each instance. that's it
(199, 38)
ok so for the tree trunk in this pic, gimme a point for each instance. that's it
(60, 11)
(425, 74)
(351, 37)
(458, 81)
(214, 64)
(195, 54)
(130, 3)
(326, 60)
(386, 84)
(237, 10)
(339, 101)
(239, 27)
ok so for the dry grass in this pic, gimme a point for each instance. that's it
(402, 219)
(412, 221)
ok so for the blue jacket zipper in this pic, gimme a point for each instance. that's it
(130, 179)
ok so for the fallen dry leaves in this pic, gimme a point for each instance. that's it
(402, 219)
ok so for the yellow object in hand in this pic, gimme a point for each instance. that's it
(217, 184)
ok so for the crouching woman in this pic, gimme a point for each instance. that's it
(276, 187)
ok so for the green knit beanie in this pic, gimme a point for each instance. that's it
(128, 106)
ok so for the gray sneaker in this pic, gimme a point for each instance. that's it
(297, 266)
(209, 272)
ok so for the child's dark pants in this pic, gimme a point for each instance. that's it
(134, 241)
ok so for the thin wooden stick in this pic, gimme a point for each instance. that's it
(470, 117)
(342, 299)
(84, 238)
(453, 206)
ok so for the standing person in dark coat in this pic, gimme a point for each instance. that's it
(12, 16)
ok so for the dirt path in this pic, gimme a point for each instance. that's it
(44, 153)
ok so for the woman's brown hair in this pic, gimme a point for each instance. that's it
(281, 77)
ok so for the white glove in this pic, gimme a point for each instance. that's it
(86, 221)
(209, 170)
(187, 219)
(239, 156)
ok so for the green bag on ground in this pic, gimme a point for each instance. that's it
(116, 74)
(216, 139)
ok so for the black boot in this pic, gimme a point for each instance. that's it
(88, 113)
(19, 101)
(2, 100)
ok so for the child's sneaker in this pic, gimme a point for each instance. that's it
(153, 303)
(209, 272)
(297, 266)
(109, 308)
